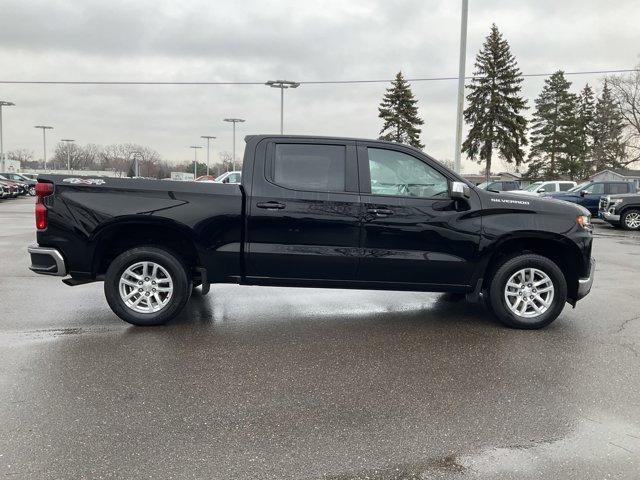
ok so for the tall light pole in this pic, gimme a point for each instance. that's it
(68, 142)
(195, 159)
(3, 104)
(208, 137)
(461, 74)
(44, 141)
(282, 84)
(234, 121)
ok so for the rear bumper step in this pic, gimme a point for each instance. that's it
(47, 261)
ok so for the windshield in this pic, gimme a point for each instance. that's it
(533, 187)
(580, 187)
(483, 185)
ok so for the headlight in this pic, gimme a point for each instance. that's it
(584, 221)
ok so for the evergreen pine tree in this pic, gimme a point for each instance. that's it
(400, 114)
(581, 167)
(495, 105)
(608, 146)
(554, 135)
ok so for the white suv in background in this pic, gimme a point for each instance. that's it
(539, 188)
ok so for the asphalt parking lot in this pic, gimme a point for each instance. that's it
(261, 383)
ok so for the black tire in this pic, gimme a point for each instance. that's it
(498, 283)
(176, 269)
(627, 216)
(32, 191)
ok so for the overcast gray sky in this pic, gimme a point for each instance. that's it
(262, 40)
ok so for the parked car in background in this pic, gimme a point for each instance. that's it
(4, 192)
(18, 177)
(588, 194)
(230, 177)
(500, 186)
(621, 210)
(23, 187)
(206, 178)
(12, 187)
(539, 188)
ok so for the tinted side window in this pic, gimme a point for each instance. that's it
(618, 188)
(318, 168)
(399, 174)
(565, 186)
(595, 188)
(551, 187)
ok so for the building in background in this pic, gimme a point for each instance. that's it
(617, 175)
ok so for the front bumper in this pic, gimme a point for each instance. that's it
(584, 284)
(47, 261)
(610, 217)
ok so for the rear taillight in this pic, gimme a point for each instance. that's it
(42, 190)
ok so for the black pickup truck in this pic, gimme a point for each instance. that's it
(621, 210)
(317, 212)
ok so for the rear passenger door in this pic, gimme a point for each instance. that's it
(304, 211)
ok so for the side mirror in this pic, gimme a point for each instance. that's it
(226, 180)
(583, 193)
(542, 190)
(460, 190)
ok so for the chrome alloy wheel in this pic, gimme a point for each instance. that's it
(632, 220)
(146, 287)
(529, 293)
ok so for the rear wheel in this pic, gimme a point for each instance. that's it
(631, 220)
(147, 286)
(527, 291)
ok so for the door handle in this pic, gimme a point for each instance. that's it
(271, 205)
(380, 212)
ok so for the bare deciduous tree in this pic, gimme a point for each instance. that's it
(626, 91)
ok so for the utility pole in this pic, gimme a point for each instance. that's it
(195, 159)
(282, 84)
(44, 141)
(461, 75)
(234, 121)
(3, 104)
(208, 137)
(68, 142)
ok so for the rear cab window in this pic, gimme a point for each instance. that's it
(618, 188)
(309, 167)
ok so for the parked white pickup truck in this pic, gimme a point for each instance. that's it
(538, 188)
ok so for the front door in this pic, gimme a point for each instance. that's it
(413, 232)
(591, 197)
(304, 211)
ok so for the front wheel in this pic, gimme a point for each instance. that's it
(32, 191)
(631, 220)
(527, 291)
(147, 286)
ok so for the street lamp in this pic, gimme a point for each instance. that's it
(234, 121)
(3, 104)
(461, 73)
(195, 159)
(208, 137)
(68, 142)
(282, 84)
(44, 141)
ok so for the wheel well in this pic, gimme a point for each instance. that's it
(124, 237)
(567, 257)
(630, 207)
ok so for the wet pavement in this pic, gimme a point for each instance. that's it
(261, 383)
